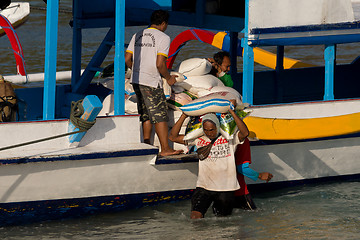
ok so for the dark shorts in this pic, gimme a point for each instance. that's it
(151, 103)
(244, 202)
(223, 201)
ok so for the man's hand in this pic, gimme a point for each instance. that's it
(233, 101)
(265, 176)
(172, 80)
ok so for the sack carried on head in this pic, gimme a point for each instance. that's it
(218, 102)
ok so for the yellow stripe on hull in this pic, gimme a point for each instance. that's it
(299, 129)
(268, 59)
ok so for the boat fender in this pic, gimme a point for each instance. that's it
(8, 101)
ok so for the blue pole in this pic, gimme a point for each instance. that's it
(76, 48)
(119, 61)
(248, 61)
(200, 12)
(52, 13)
(329, 56)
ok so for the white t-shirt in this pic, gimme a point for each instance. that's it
(218, 171)
(145, 46)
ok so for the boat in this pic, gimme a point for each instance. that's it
(50, 170)
(24, 81)
(17, 13)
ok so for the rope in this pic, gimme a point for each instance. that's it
(76, 111)
(39, 140)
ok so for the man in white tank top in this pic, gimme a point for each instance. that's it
(146, 56)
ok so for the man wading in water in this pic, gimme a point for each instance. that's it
(217, 180)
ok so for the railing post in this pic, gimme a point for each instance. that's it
(52, 13)
(119, 61)
(330, 58)
(248, 61)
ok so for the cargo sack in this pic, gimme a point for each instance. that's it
(194, 67)
(8, 102)
(218, 102)
(193, 128)
(227, 123)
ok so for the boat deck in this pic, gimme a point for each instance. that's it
(18, 155)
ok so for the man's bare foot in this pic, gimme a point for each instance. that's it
(170, 152)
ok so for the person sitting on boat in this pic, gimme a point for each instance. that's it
(221, 66)
(217, 180)
(146, 56)
(243, 198)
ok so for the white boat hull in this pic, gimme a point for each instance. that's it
(309, 160)
(111, 170)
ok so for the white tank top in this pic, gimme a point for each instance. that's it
(145, 46)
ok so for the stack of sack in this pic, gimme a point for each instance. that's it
(199, 93)
(130, 98)
(196, 92)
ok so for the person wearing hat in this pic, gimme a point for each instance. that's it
(217, 180)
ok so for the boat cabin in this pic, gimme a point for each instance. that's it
(338, 23)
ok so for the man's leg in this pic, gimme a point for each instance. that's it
(154, 110)
(147, 129)
(200, 202)
(224, 203)
(161, 129)
(196, 215)
(144, 116)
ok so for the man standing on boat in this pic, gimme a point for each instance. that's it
(146, 56)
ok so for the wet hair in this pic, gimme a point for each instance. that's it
(219, 56)
(159, 16)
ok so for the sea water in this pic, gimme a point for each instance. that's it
(323, 211)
